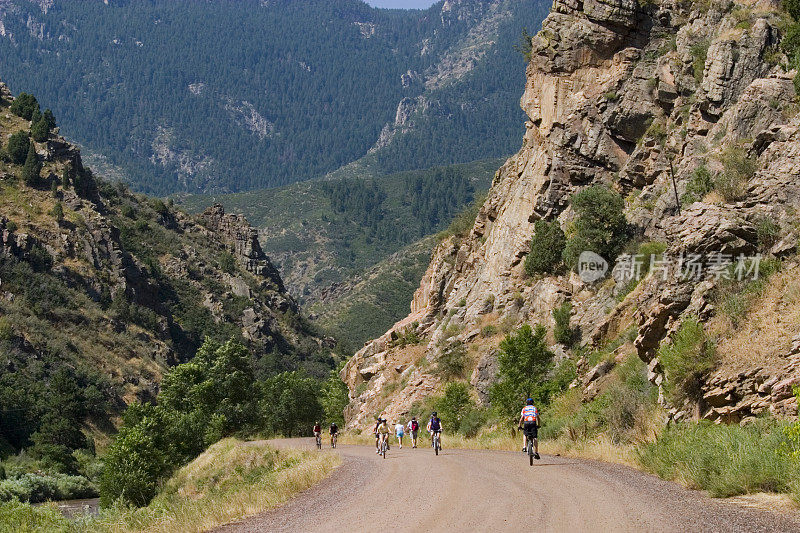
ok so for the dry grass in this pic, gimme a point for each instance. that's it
(230, 481)
(765, 337)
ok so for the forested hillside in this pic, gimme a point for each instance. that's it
(231, 96)
(103, 291)
(328, 237)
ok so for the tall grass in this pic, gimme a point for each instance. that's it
(724, 460)
(229, 481)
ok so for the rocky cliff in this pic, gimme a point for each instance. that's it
(122, 286)
(642, 97)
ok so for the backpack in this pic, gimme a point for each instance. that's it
(414, 425)
(435, 424)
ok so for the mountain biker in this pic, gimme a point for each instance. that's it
(435, 426)
(383, 434)
(375, 432)
(413, 428)
(334, 430)
(531, 420)
(399, 431)
(317, 430)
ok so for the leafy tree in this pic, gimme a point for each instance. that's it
(31, 171)
(18, 146)
(523, 364)
(290, 403)
(24, 105)
(599, 225)
(456, 404)
(547, 246)
(334, 398)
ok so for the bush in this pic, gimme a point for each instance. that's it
(18, 146)
(35, 488)
(24, 106)
(724, 460)
(698, 187)
(547, 247)
(563, 332)
(599, 225)
(685, 361)
(738, 168)
(57, 212)
(699, 55)
(768, 232)
(227, 262)
(455, 405)
(452, 363)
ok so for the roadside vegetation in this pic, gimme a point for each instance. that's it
(231, 480)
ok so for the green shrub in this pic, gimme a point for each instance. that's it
(547, 247)
(488, 330)
(57, 212)
(698, 187)
(600, 225)
(563, 332)
(686, 360)
(455, 405)
(737, 170)
(724, 460)
(227, 262)
(18, 146)
(35, 488)
(452, 363)
(768, 232)
(699, 55)
(24, 106)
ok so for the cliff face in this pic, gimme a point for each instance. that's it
(124, 286)
(618, 93)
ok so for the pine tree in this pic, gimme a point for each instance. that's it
(40, 131)
(49, 118)
(36, 116)
(31, 172)
(18, 146)
(65, 178)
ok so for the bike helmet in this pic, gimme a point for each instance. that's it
(529, 401)
(434, 414)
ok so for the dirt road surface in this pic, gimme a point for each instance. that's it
(467, 490)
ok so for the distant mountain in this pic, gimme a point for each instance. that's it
(223, 96)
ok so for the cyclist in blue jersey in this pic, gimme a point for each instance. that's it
(435, 426)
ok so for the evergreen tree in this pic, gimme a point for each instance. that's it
(18, 146)
(49, 118)
(31, 172)
(24, 105)
(40, 131)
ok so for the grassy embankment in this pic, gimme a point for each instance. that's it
(231, 480)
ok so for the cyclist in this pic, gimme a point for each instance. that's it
(413, 428)
(334, 429)
(531, 420)
(435, 426)
(317, 431)
(375, 432)
(399, 431)
(383, 434)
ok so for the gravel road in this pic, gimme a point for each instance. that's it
(467, 490)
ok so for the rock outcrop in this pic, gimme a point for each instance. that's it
(637, 96)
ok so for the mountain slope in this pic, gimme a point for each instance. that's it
(230, 96)
(103, 290)
(695, 140)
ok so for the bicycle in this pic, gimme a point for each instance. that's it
(333, 440)
(384, 446)
(437, 444)
(319, 441)
(529, 447)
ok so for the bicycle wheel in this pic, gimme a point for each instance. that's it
(436, 444)
(530, 452)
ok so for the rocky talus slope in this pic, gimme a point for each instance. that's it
(620, 92)
(123, 286)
